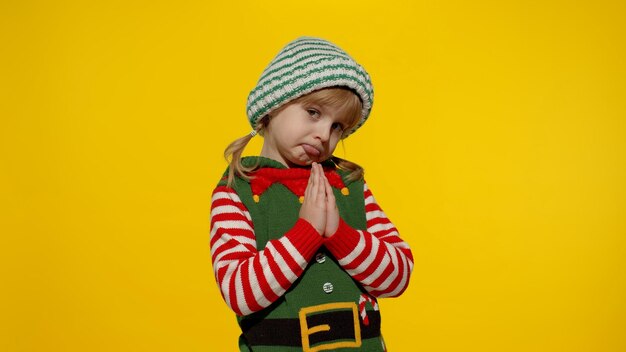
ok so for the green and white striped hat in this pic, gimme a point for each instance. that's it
(303, 66)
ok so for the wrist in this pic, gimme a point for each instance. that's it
(330, 232)
(311, 224)
(305, 238)
(343, 241)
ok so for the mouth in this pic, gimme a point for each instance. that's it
(311, 150)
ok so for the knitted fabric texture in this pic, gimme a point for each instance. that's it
(295, 180)
(271, 266)
(240, 224)
(305, 65)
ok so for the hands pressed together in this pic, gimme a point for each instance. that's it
(319, 207)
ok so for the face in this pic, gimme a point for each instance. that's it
(299, 135)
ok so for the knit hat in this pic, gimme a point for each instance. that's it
(303, 66)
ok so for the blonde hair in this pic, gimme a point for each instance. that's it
(342, 98)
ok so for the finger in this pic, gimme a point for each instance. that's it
(330, 195)
(314, 183)
(309, 185)
(320, 180)
(324, 181)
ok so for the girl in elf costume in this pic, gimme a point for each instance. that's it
(301, 250)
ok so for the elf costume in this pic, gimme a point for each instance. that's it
(291, 288)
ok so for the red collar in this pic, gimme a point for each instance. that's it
(295, 179)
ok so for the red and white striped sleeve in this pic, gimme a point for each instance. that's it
(377, 258)
(249, 279)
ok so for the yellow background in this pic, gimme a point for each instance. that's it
(496, 145)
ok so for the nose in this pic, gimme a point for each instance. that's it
(322, 132)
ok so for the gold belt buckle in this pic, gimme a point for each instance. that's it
(306, 331)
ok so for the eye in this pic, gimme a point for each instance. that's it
(313, 112)
(337, 127)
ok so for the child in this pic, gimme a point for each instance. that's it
(300, 248)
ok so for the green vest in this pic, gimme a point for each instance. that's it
(323, 288)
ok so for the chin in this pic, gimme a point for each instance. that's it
(299, 162)
(306, 160)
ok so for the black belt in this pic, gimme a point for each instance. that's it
(323, 323)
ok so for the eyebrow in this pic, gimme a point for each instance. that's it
(344, 119)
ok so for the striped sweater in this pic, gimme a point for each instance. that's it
(251, 279)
